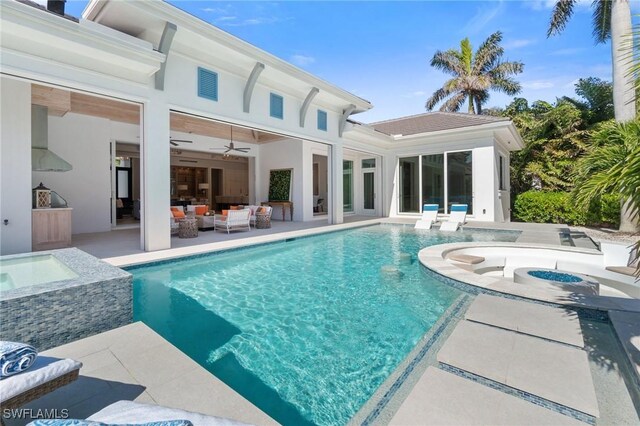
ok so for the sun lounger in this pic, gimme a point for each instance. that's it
(45, 375)
(429, 216)
(457, 216)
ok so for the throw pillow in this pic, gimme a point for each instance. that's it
(177, 214)
(201, 210)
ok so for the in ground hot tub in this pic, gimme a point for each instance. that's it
(557, 280)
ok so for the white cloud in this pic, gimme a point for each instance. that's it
(226, 18)
(537, 84)
(518, 43)
(484, 15)
(302, 60)
(568, 51)
(416, 94)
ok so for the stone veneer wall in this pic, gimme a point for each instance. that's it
(50, 315)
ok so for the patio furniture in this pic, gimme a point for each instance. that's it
(283, 205)
(234, 219)
(206, 223)
(128, 412)
(263, 220)
(429, 216)
(188, 228)
(45, 375)
(457, 216)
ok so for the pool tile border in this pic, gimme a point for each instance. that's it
(434, 335)
(526, 396)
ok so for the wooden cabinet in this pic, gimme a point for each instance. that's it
(50, 228)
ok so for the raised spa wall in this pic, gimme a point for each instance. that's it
(52, 314)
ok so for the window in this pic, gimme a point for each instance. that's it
(503, 175)
(276, 106)
(409, 185)
(322, 120)
(433, 180)
(207, 84)
(442, 179)
(347, 185)
(369, 163)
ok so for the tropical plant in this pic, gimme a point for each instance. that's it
(474, 75)
(611, 20)
(612, 166)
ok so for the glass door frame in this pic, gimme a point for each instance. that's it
(446, 184)
(372, 170)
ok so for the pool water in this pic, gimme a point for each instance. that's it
(32, 270)
(306, 329)
(560, 277)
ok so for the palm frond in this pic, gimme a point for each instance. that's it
(454, 103)
(506, 85)
(449, 61)
(436, 98)
(601, 20)
(488, 53)
(562, 11)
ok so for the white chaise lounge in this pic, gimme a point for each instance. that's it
(429, 216)
(457, 216)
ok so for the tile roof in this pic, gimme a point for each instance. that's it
(432, 122)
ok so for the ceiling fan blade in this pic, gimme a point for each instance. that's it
(243, 149)
(180, 140)
(228, 149)
(173, 143)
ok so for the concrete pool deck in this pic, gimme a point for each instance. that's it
(134, 363)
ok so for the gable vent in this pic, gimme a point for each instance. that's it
(207, 84)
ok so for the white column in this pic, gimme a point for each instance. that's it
(155, 184)
(336, 202)
(15, 173)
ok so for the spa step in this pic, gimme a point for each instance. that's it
(549, 370)
(627, 328)
(442, 398)
(561, 325)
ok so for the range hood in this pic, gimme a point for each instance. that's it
(42, 159)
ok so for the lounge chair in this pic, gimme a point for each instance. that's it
(254, 209)
(45, 375)
(235, 219)
(429, 216)
(457, 216)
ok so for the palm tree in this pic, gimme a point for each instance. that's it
(473, 75)
(611, 20)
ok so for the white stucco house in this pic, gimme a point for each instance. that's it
(142, 98)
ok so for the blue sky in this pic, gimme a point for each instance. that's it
(381, 50)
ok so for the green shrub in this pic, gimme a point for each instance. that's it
(559, 207)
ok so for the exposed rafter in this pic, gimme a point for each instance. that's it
(343, 119)
(307, 102)
(251, 82)
(164, 46)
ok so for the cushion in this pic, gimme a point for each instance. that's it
(235, 208)
(175, 209)
(43, 370)
(225, 212)
(200, 210)
(178, 214)
(261, 210)
(625, 270)
(136, 412)
(466, 258)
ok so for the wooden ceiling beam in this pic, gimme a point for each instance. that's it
(58, 101)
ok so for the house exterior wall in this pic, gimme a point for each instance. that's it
(83, 141)
(15, 166)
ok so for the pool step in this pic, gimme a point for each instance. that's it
(442, 398)
(560, 325)
(555, 372)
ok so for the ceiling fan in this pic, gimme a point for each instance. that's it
(231, 146)
(175, 142)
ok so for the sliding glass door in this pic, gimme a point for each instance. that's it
(433, 180)
(347, 186)
(409, 185)
(460, 179)
(442, 179)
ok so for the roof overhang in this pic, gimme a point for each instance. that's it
(30, 31)
(196, 39)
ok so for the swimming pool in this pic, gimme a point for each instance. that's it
(305, 329)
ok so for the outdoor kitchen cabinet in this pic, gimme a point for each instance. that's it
(50, 228)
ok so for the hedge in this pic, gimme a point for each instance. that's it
(558, 207)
